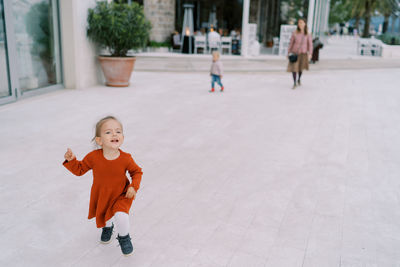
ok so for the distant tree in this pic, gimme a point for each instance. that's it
(344, 10)
(387, 8)
(297, 9)
(364, 9)
(340, 11)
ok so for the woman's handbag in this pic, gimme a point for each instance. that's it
(292, 57)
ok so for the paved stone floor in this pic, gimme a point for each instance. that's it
(260, 175)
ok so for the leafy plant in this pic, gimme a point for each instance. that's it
(119, 27)
(159, 44)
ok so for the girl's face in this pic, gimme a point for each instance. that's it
(301, 24)
(111, 136)
(215, 57)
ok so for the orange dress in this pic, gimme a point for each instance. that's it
(110, 183)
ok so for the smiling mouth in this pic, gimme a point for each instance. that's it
(114, 141)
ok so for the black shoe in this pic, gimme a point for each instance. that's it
(298, 83)
(106, 234)
(126, 244)
(294, 86)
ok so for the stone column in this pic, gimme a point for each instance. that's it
(310, 18)
(318, 15)
(245, 31)
(161, 14)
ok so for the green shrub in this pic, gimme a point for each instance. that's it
(390, 39)
(118, 27)
(158, 44)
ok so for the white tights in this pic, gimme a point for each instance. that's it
(121, 220)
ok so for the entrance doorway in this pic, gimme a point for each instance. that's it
(30, 59)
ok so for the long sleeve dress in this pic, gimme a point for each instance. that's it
(110, 183)
(300, 44)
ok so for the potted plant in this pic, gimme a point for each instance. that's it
(118, 27)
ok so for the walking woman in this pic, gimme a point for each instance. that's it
(301, 47)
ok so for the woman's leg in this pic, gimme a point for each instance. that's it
(299, 83)
(294, 77)
(122, 223)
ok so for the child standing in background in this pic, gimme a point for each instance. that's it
(112, 194)
(216, 71)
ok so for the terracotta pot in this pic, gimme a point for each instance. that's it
(117, 70)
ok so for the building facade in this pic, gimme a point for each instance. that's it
(235, 15)
(43, 43)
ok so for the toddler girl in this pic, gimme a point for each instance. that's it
(112, 194)
(216, 71)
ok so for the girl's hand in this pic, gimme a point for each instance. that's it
(131, 192)
(69, 155)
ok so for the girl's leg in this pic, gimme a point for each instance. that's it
(107, 232)
(122, 223)
(124, 240)
(109, 222)
(300, 75)
(219, 82)
(294, 77)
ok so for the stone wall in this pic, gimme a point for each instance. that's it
(161, 14)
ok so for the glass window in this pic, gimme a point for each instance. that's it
(37, 43)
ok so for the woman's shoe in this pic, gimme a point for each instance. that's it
(106, 234)
(125, 244)
(298, 83)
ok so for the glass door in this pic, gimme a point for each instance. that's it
(37, 44)
(30, 52)
(6, 93)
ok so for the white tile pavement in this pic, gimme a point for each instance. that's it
(260, 175)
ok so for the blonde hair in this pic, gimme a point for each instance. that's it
(215, 54)
(100, 123)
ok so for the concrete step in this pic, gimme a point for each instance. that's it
(233, 64)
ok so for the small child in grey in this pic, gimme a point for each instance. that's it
(216, 71)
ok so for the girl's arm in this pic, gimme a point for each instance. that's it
(136, 174)
(77, 167)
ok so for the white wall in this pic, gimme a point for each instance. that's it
(391, 51)
(80, 67)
